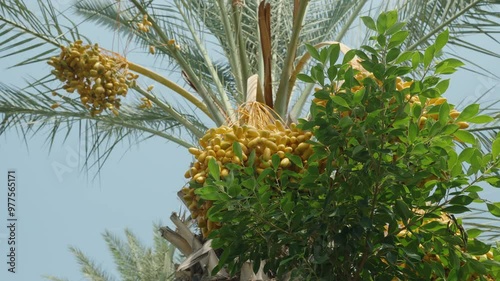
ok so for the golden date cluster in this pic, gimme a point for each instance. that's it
(217, 144)
(99, 78)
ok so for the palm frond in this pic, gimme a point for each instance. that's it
(39, 35)
(138, 262)
(121, 19)
(89, 268)
(28, 111)
(162, 256)
(124, 258)
(133, 260)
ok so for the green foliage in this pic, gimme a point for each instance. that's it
(377, 199)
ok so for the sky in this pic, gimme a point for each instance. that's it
(58, 204)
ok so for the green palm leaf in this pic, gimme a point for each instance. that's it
(29, 112)
(133, 260)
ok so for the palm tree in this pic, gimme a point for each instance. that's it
(229, 53)
(133, 260)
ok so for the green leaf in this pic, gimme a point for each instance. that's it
(465, 136)
(313, 52)
(430, 93)
(392, 54)
(461, 200)
(275, 161)
(369, 22)
(403, 209)
(209, 192)
(412, 132)
(288, 206)
(266, 172)
(379, 70)
(441, 40)
(476, 247)
(466, 154)
(234, 190)
(317, 74)
(382, 23)
(456, 209)
(494, 208)
(428, 56)
(474, 188)
(340, 101)
(324, 54)
(404, 56)
(435, 129)
(296, 160)
(214, 213)
(392, 18)
(370, 49)
(420, 149)
(444, 113)
(362, 55)
(416, 110)
(416, 59)
(332, 73)
(237, 150)
(395, 28)
(474, 232)
(495, 148)
(448, 66)
(381, 39)
(305, 78)
(349, 56)
(358, 96)
(468, 112)
(322, 94)
(481, 119)
(334, 54)
(398, 38)
(368, 65)
(442, 86)
(213, 168)
(449, 129)
(493, 181)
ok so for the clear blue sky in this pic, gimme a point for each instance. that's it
(137, 186)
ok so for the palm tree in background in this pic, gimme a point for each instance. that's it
(133, 260)
(225, 50)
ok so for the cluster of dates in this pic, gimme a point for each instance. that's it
(99, 78)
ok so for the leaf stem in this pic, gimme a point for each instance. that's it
(233, 58)
(281, 103)
(245, 72)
